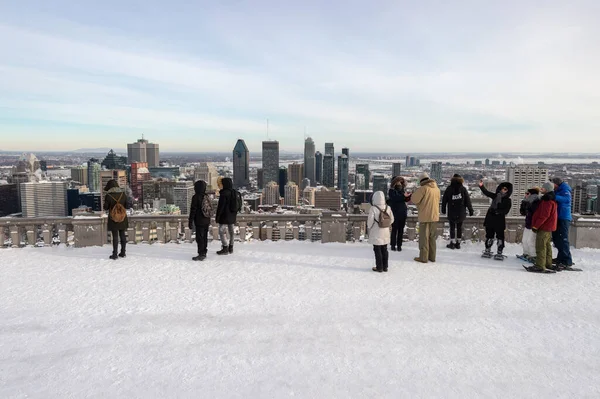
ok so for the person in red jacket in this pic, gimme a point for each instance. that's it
(544, 223)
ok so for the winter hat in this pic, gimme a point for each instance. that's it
(548, 186)
(456, 175)
(534, 190)
(556, 180)
(423, 176)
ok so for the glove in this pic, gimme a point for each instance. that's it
(534, 229)
(470, 213)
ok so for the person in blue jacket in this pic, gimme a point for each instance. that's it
(560, 237)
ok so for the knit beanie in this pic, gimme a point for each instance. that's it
(556, 180)
(548, 186)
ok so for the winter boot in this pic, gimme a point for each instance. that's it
(200, 257)
(452, 245)
(393, 248)
(223, 251)
(113, 256)
(122, 254)
(230, 249)
(457, 245)
(488, 248)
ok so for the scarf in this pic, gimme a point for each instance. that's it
(497, 200)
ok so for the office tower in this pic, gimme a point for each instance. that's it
(495, 163)
(144, 152)
(295, 172)
(241, 165)
(328, 171)
(165, 172)
(380, 183)
(412, 161)
(319, 167)
(79, 175)
(271, 194)
(328, 199)
(343, 175)
(43, 166)
(270, 160)
(43, 199)
(114, 161)
(436, 171)
(362, 176)
(309, 160)
(291, 194)
(396, 169)
(76, 199)
(487, 163)
(308, 196)
(478, 163)
(9, 199)
(346, 152)
(282, 180)
(93, 170)
(260, 178)
(417, 162)
(329, 149)
(119, 175)
(407, 164)
(305, 183)
(182, 196)
(139, 174)
(206, 171)
(153, 189)
(579, 202)
(522, 179)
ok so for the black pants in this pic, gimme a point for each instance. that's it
(455, 230)
(381, 256)
(490, 232)
(116, 235)
(202, 239)
(398, 232)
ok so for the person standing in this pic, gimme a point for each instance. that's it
(457, 200)
(528, 206)
(397, 200)
(226, 216)
(116, 202)
(380, 219)
(427, 200)
(495, 219)
(543, 223)
(200, 214)
(560, 237)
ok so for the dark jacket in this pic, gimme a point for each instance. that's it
(496, 218)
(563, 199)
(397, 202)
(528, 207)
(545, 217)
(225, 214)
(457, 200)
(196, 216)
(113, 196)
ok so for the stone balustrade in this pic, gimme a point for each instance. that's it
(327, 227)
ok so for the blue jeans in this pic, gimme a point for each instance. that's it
(560, 238)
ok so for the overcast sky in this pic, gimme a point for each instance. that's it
(402, 76)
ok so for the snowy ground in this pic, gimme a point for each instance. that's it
(294, 319)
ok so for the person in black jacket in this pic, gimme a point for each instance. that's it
(397, 201)
(495, 219)
(200, 212)
(456, 200)
(116, 195)
(226, 216)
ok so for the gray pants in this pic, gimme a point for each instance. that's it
(223, 230)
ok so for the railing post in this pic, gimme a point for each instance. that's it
(46, 235)
(296, 230)
(215, 230)
(131, 234)
(188, 234)
(308, 228)
(31, 230)
(145, 232)
(243, 231)
(62, 233)
(15, 236)
(270, 230)
(411, 229)
(160, 232)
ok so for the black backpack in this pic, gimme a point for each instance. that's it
(237, 202)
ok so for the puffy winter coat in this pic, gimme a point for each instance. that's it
(545, 217)
(528, 207)
(225, 214)
(496, 218)
(378, 235)
(563, 199)
(196, 216)
(113, 196)
(397, 202)
(457, 200)
(427, 200)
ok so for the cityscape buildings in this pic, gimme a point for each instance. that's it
(270, 160)
(291, 194)
(309, 161)
(380, 183)
(143, 151)
(93, 170)
(282, 180)
(241, 165)
(522, 179)
(271, 194)
(39, 199)
(182, 196)
(114, 161)
(328, 199)
(396, 169)
(343, 174)
(319, 167)
(295, 172)
(436, 171)
(362, 176)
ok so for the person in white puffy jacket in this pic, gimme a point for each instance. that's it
(379, 237)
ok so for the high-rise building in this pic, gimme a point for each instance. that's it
(139, 175)
(328, 171)
(154, 189)
(346, 152)
(343, 175)
(291, 194)
(305, 183)
(412, 161)
(93, 170)
(114, 161)
(295, 172)
(270, 160)
(44, 166)
(206, 171)
(106, 175)
(523, 178)
(44, 199)
(241, 165)
(436, 171)
(362, 176)
(80, 175)
(144, 152)
(579, 202)
(260, 178)
(319, 167)
(308, 196)
(487, 162)
(9, 199)
(329, 149)
(380, 183)
(328, 199)
(271, 194)
(282, 180)
(77, 199)
(407, 163)
(396, 169)
(309, 161)
(182, 196)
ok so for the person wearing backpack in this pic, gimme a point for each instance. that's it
(116, 202)
(456, 200)
(379, 222)
(226, 215)
(200, 214)
(427, 200)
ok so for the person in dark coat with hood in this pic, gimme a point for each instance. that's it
(226, 216)
(116, 195)
(456, 201)
(495, 219)
(397, 201)
(200, 213)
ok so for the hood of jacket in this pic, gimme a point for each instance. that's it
(507, 185)
(563, 188)
(227, 183)
(457, 181)
(378, 199)
(111, 184)
(549, 196)
(429, 182)
(200, 187)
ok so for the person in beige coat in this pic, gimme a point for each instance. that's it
(427, 200)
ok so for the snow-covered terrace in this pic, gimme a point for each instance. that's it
(281, 319)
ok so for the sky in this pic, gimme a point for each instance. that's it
(381, 76)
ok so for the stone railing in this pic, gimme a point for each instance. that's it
(328, 227)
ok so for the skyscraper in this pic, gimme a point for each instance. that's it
(143, 151)
(79, 174)
(270, 161)
(328, 171)
(139, 174)
(271, 194)
(319, 167)
(487, 162)
(343, 175)
(114, 161)
(241, 165)
(282, 180)
(291, 194)
(206, 171)
(93, 170)
(523, 178)
(182, 196)
(346, 152)
(295, 172)
(407, 164)
(43, 199)
(309, 160)
(106, 175)
(396, 169)
(362, 176)
(380, 183)
(260, 178)
(9, 199)
(436, 171)
(412, 161)
(329, 149)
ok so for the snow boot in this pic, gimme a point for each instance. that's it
(393, 248)
(230, 249)
(399, 249)
(452, 245)
(200, 257)
(223, 251)
(114, 256)
(122, 254)
(457, 245)
(487, 253)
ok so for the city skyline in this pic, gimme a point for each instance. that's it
(501, 76)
